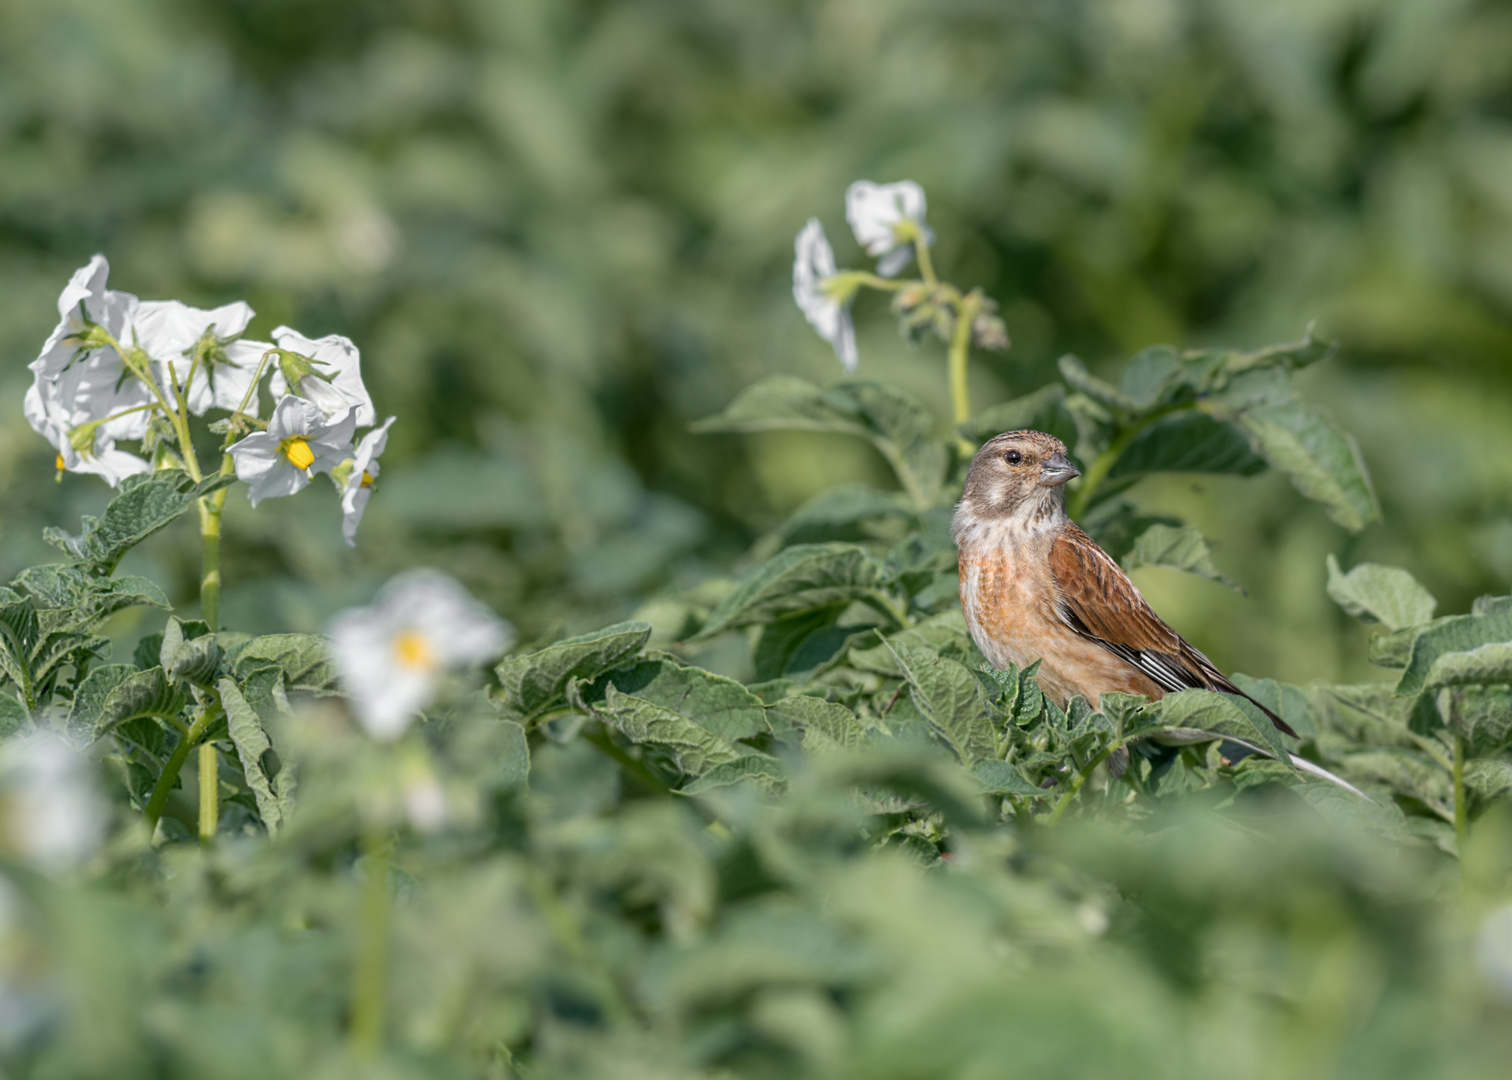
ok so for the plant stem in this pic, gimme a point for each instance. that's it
(1461, 812)
(1078, 781)
(175, 762)
(1078, 500)
(960, 351)
(370, 973)
(209, 791)
(921, 251)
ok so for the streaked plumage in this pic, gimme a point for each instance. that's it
(1035, 587)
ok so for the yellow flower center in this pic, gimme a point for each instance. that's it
(413, 651)
(58, 463)
(299, 453)
(367, 479)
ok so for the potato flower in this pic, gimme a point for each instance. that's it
(174, 334)
(334, 382)
(357, 485)
(827, 312)
(885, 219)
(299, 442)
(50, 810)
(101, 458)
(392, 655)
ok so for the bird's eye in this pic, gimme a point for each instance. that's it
(1013, 457)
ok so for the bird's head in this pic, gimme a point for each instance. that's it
(1019, 475)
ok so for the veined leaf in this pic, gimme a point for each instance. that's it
(1322, 462)
(536, 681)
(146, 503)
(14, 719)
(765, 770)
(800, 578)
(692, 746)
(1226, 714)
(305, 660)
(89, 701)
(900, 428)
(722, 706)
(942, 633)
(1002, 778)
(1457, 634)
(1187, 441)
(826, 725)
(1375, 593)
(147, 693)
(1479, 666)
(949, 696)
(1044, 410)
(193, 657)
(1104, 393)
(251, 742)
(1148, 374)
(1179, 548)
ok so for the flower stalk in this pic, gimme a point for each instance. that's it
(370, 971)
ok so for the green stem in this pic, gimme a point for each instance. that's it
(1461, 812)
(210, 508)
(370, 973)
(1078, 501)
(175, 762)
(960, 389)
(1077, 782)
(921, 251)
(209, 791)
(610, 749)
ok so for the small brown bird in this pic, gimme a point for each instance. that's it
(1035, 587)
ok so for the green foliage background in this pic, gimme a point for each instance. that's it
(561, 230)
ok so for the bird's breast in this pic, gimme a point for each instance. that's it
(1009, 598)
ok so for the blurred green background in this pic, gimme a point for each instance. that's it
(560, 230)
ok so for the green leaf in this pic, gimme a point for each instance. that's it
(826, 726)
(1001, 778)
(14, 719)
(84, 599)
(514, 765)
(898, 426)
(800, 578)
(803, 645)
(1289, 356)
(950, 697)
(1148, 373)
(89, 701)
(1104, 393)
(766, 771)
(1375, 593)
(1479, 666)
(534, 682)
(692, 746)
(1179, 548)
(141, 694)
(1459, 633)
(848, 512)
(194, 657)
(146, 503)
(1225, 714)
(1187, 441)
(1322, 462)
(722, 706)
(251, 743)
(1482, 716)
(1044, 410)
(304, 659)
(943, 633)
(1018, 695)
(1488, 779)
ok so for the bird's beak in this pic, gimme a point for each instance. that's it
(1056, 470)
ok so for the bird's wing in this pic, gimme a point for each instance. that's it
(1098, 601)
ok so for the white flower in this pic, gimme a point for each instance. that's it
(813, 264)
(171, 333)
(74, 382)
(337, 384)
(103, 460)
(358, 488)
(300, 440)
(1494, 950)
(392, 653)
(50, 809)
(876, 210)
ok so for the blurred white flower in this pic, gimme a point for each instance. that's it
(337, 382)
(1494, 950)
(50, 810)
(875, 212)
(358, 486)
(300, 441)
(424, 797)
(813, 265)
(171, 333)
(392, 654)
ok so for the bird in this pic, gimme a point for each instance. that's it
(1034, 586)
